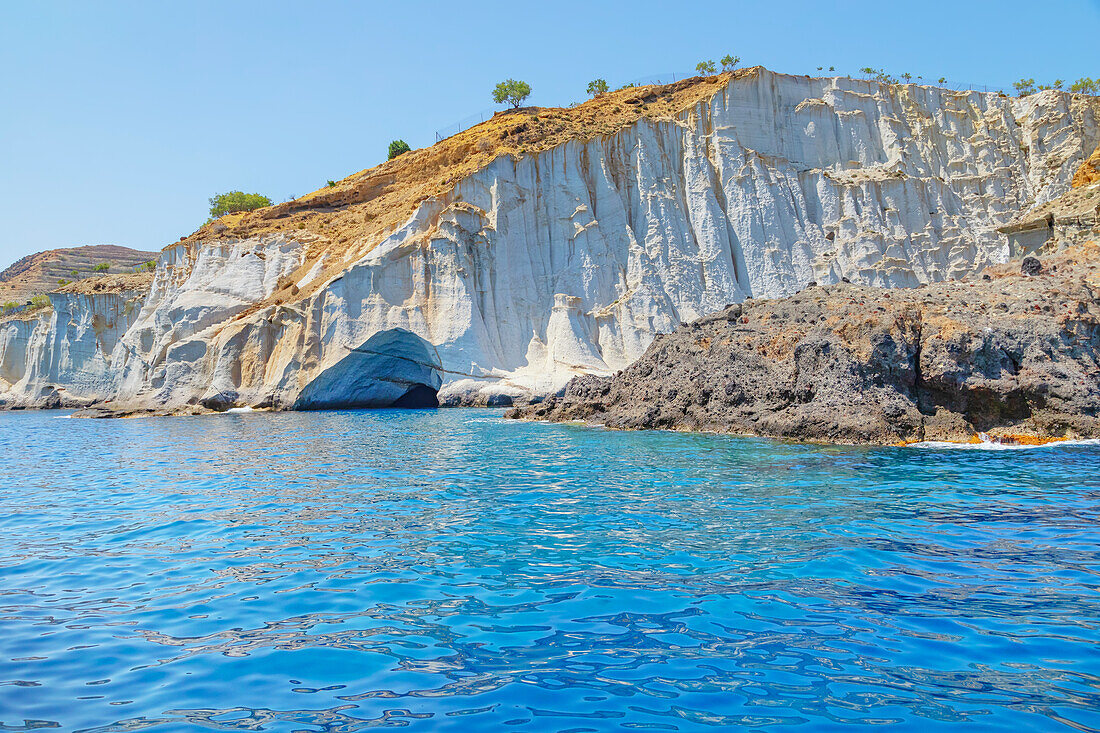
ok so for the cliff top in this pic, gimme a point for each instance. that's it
(345, 221)
(354, 215)
(42, 271)
(138, 282)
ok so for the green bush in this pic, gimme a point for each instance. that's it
(398, 147)
(9, 306)
(706, 67)
(878, 75)
(730, 62)
(1024, 87)
(511, 91)
(235, 201)
(1085, 85)
(74, 273)
(38, 301)
(102, 267)
(596, 87)
(331, 183)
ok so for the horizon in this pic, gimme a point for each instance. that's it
(162, 108)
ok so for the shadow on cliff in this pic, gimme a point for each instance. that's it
(394, 368)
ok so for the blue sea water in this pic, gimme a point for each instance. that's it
(451, 570)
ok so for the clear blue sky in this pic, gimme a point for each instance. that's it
(119, 120)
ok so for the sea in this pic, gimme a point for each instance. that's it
(453, 570)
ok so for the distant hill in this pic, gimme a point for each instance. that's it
(42, 271)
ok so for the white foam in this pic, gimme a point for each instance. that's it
(240, 409)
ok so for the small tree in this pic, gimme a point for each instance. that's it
(511, 91)
(1085, 85)
(102, 267)
(706, 67)
(235, 201)
(398, 147)
(832, 68)
(596, 87)
(730, 62)
(1024, 87)
(941, 80)
(907, 76)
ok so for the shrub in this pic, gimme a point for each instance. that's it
(1024, 87)
(74, 273)
(596, 87)
(331, 183)
(235, 201)
(63, 281)
(102, 267)
(832, 68)
(38, 301)
(631, 85)
(907, 76)
(1085, 85)
(397, 147)
(730, 62)
(706, 67)
(878, 75)
(9, 306)
(941, 80)
(511, 91)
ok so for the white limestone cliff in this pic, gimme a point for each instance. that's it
(533, 270)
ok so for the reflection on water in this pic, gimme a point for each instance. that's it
(451, 570)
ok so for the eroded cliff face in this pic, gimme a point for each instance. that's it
(70, 354)
(534, 268)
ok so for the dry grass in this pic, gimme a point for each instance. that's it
(349, 219)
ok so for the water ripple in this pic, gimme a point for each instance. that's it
(451, 570)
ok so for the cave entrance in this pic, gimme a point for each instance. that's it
(419, 397)
(393, 368)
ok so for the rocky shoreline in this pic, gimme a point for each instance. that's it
(1013, 353)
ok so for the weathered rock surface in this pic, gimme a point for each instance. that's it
(545, 244)
(1012, 355)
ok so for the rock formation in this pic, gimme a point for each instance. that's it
(1011, 354)
(546, 243)
(41, 272)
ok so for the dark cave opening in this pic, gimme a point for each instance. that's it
(419, 397)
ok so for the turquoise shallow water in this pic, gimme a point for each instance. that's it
(451, 570)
